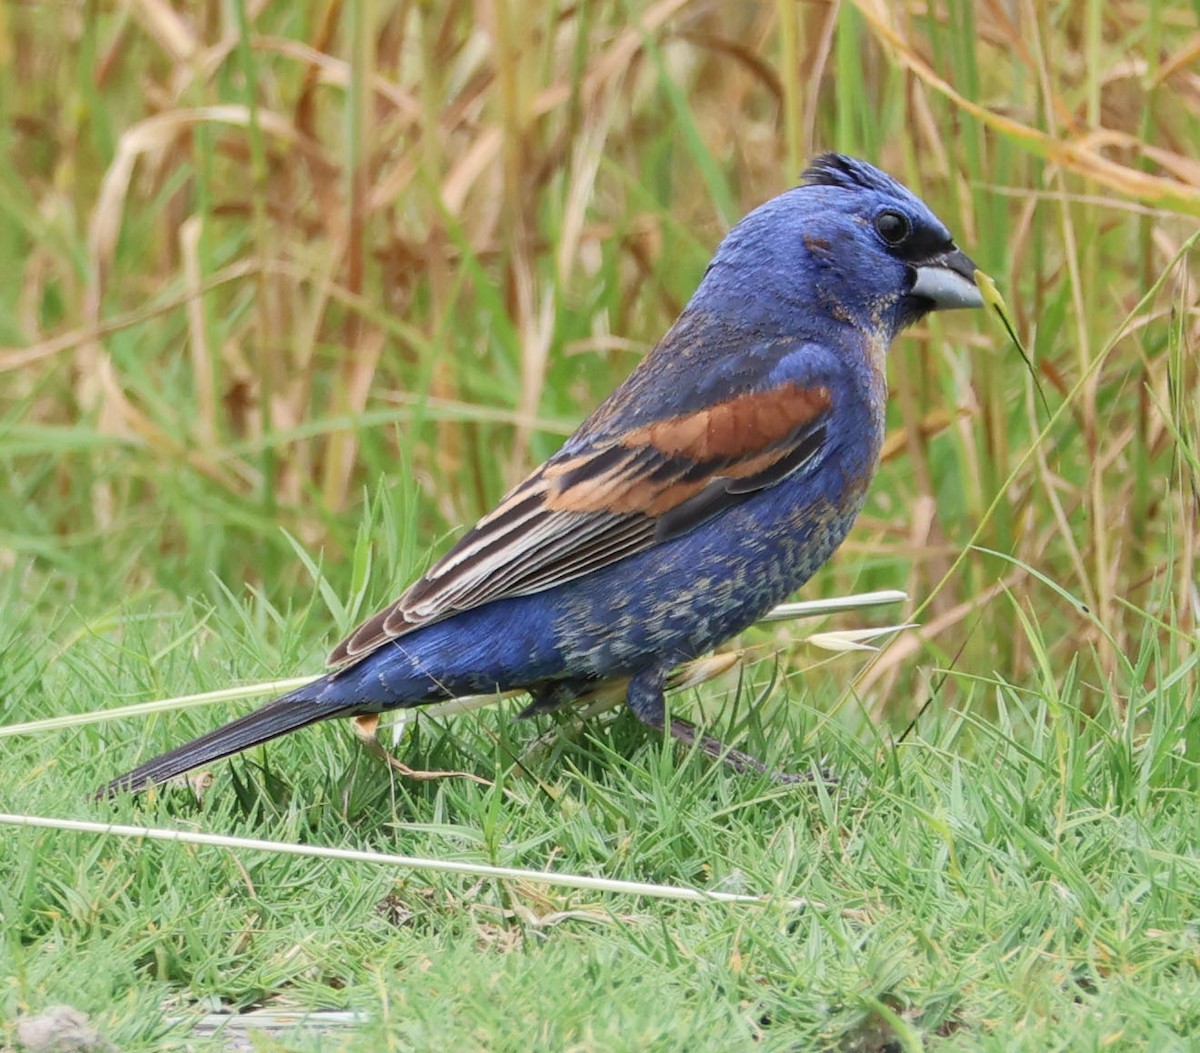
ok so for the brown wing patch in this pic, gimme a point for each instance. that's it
(593, 488)
(589, 509)
(736, 439)
(617, 490)
(733, 429)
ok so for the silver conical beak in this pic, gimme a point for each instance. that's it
(948, 281)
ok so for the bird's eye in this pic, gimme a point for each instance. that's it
(893, 227)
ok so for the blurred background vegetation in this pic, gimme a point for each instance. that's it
(261, 258)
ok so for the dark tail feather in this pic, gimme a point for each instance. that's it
(292, 711)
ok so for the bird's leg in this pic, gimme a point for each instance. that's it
(367, 724)
(646, 699)
(547, 697)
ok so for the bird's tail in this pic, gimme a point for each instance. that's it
(297, 709)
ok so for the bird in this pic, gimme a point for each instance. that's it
(710, 485)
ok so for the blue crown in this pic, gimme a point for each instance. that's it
(849, 173)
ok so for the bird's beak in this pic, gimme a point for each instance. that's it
(948, 281)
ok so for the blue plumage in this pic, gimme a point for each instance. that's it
(709, 486)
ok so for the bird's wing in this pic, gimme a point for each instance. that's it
(596, 502)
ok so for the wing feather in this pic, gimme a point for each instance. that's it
(592, 505)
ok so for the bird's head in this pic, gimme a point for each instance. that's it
(850, 244)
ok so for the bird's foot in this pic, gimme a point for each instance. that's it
(366, 725)
(645, 698)
(739, 761)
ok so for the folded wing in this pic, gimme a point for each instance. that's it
(594, 504)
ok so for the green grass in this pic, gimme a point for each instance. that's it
(259, 364)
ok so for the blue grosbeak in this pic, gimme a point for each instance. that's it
(711, 484)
